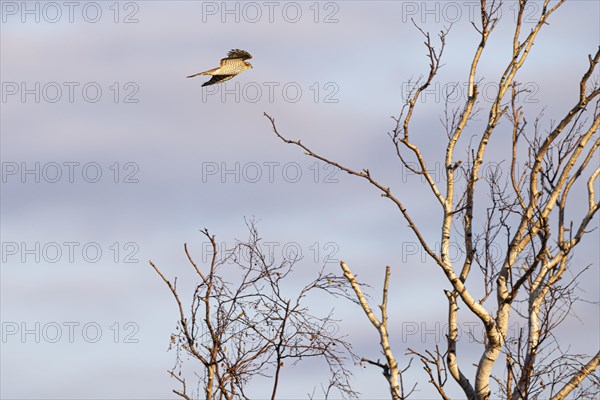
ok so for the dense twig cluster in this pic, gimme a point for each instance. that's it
(240, 324)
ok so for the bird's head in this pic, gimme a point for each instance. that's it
(249, 65)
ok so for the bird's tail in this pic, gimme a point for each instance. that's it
(209, 72)
(199, 73)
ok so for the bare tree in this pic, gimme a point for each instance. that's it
(526, 210)
(240, 325)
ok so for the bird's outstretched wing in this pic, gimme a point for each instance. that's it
(237, 55)
(217, 79)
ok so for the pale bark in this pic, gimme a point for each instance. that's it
(585, 370)
(390, 368)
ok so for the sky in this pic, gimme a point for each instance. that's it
(111, 157)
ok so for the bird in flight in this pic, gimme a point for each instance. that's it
(233, 64)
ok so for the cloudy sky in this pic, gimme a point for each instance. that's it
(111, 157)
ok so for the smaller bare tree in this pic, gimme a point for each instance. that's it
(240, 325)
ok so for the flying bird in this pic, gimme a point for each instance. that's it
(233, 64)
